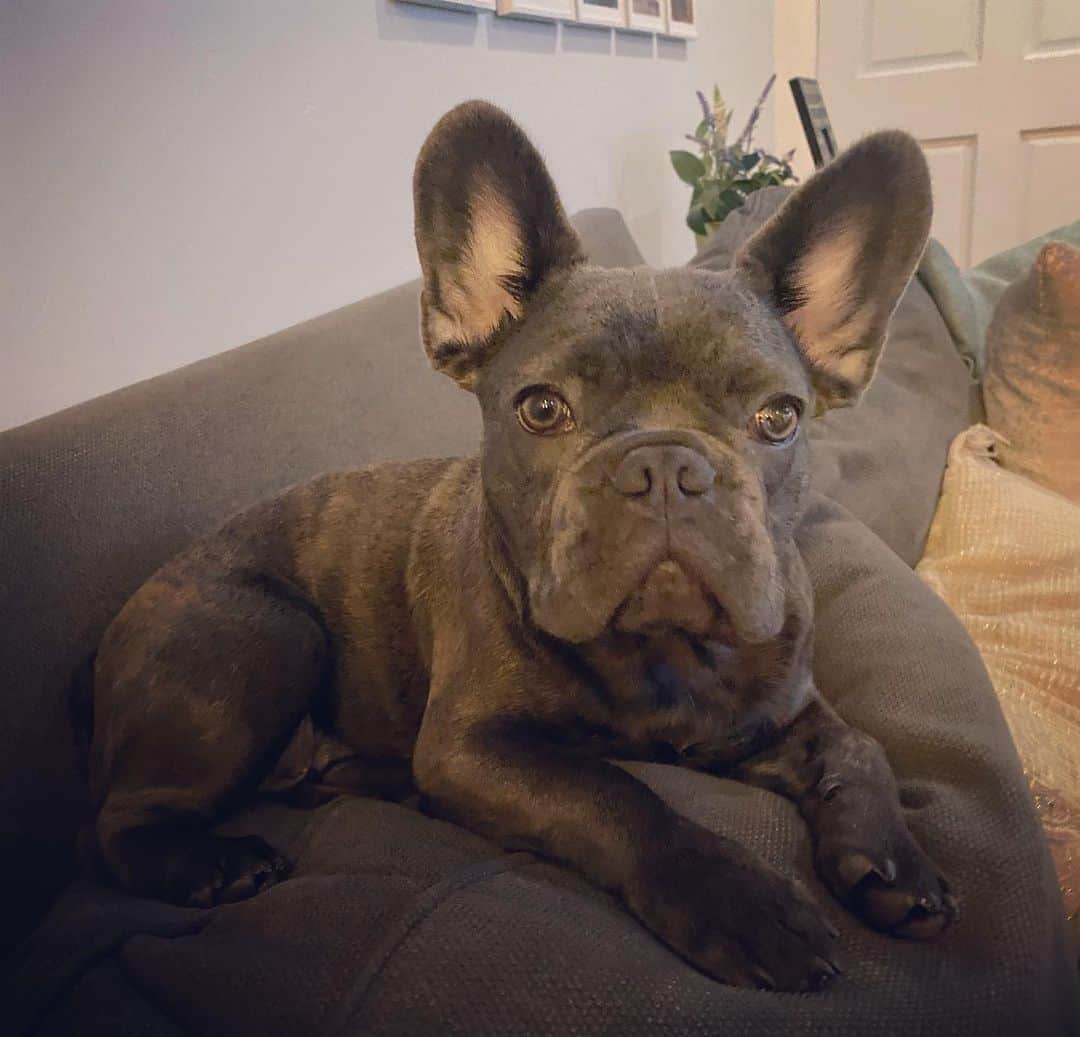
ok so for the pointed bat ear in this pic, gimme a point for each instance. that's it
(836, 257)
(489, 229)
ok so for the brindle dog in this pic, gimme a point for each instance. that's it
(614, 576)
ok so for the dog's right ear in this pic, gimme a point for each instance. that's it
(489, 229)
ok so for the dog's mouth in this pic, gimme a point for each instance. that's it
(718, 577)
(671, 598)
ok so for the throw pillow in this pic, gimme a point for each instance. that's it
(1004, 553)
(1032, 384)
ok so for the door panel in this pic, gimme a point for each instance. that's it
(918, 35)
(952, 170)
(1051, 168)
(992, 90)
(1055, 27)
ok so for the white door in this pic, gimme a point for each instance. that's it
(992, 90)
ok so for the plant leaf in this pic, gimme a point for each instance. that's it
(732, 198)
(709, 199)
(695, 220)
(690, 168)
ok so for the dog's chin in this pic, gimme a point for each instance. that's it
(669, 598)
(659, 594)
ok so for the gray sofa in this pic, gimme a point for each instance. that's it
(395, 923)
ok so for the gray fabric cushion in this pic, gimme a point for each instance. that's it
(966, 298)
(607, 238)
(96, 497)
(884, 458)
(396, 924)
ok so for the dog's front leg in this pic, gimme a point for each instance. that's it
(843, 786)
(713, 901)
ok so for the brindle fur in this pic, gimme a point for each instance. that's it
(493, 631)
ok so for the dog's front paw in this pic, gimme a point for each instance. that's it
(220, 870)
(885, 878)
(739, 921)
(197, 869)
(194, 868)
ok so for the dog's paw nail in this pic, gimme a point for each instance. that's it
(887, 871)
(822, 973)
(763, 980)
(930, 915)
(203, 897)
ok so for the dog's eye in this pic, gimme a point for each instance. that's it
(544, 412)
(778, 421)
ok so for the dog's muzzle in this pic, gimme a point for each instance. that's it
(653, 535)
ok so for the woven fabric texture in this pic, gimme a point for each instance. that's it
(1005, 554)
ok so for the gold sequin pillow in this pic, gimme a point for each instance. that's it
(1005, 554)
(1031, 387)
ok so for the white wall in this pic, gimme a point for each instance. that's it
(795, 53)
(181, 177)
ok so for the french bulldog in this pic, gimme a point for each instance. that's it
(615, 576)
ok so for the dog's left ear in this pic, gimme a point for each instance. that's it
(838, 254)
(489, 229)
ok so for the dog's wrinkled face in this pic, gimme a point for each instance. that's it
(644, 450)
(642, 446)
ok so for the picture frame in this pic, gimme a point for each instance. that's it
(538, 10)
(646, 16)
(681, 19)
(456, 5)
(606, 13)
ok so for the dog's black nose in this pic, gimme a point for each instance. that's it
(664, 471)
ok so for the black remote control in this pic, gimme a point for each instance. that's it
(815, 120)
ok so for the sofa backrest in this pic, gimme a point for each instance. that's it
(95, 498)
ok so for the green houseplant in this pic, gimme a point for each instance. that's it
(722, 174)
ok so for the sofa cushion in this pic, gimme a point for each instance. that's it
(1031, 388)
(396, 924)
(967, 298)
(882, 459)
(1004, 553)
(95, 498)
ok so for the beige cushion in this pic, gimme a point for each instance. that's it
(1032, 384)
(1004, 553)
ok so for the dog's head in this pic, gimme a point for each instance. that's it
(645, 452)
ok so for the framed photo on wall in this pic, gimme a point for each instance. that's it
(682, 18)
(457, 5)
(549, 10)
(602, 12)
(645, 15)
